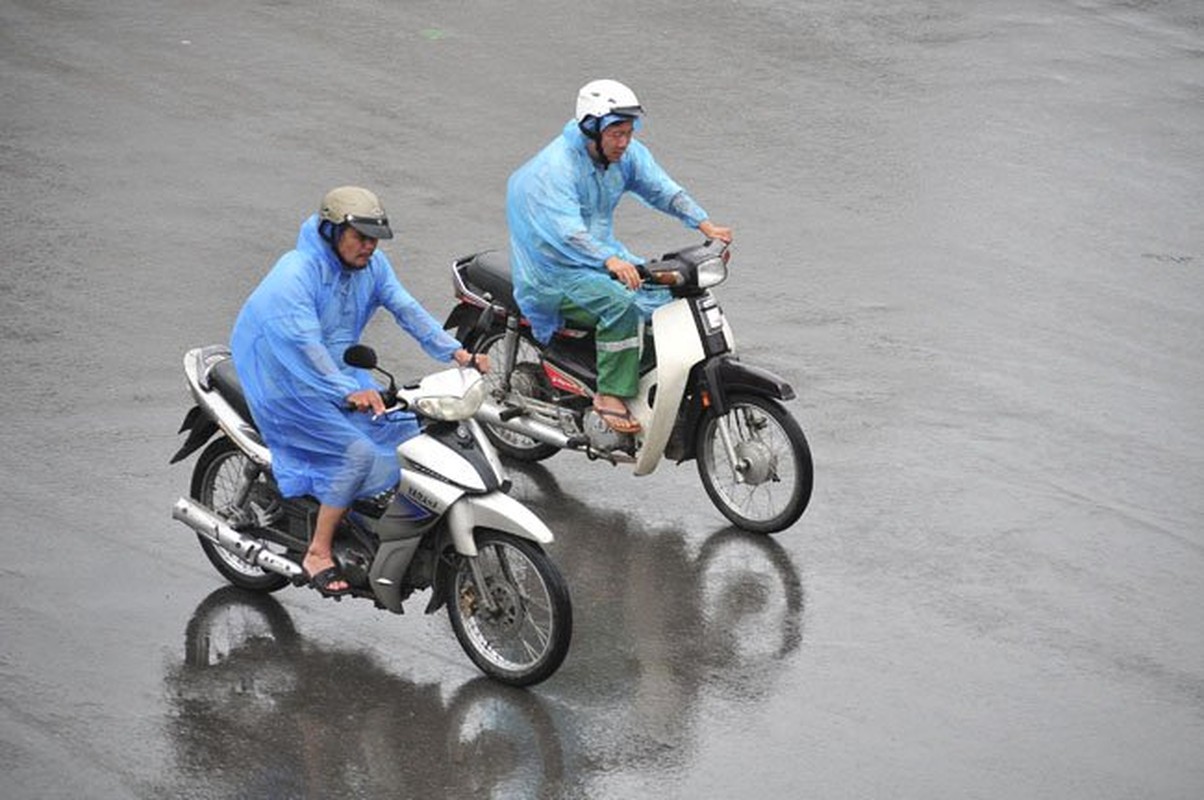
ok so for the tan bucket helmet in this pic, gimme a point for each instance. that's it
(359, 208)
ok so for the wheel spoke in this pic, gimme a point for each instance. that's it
(769, 488)
(526, 380)
(221, 489)
(519, 632)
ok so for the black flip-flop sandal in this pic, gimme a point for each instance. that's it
(323, 579)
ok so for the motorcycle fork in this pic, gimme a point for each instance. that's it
(509, 351)
(485, 597)
(739, 465)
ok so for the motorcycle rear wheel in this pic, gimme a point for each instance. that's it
(526, 379)
(778, 473)
(215, 484)
(525, 636)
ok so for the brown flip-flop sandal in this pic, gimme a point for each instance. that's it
(618, 421)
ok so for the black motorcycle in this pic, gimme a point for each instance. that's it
(696, 399)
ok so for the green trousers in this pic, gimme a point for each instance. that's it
(612, 311)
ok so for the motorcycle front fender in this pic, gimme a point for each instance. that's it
(726, 375)
(495, 511)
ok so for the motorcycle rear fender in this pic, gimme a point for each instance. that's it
(200, 427)
(214, 408)
(463, 318)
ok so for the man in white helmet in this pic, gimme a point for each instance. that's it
(288, 344)
(560, 210)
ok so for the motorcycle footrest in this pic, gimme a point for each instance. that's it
(511, 412)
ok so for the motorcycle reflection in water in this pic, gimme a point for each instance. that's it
(698, 629)
(679, 630)
(258, 711)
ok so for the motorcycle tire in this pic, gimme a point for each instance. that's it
(526, 379)
(778, 475)
(215, 482)
(525, 636)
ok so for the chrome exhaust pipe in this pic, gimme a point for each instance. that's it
(491, 414)
(213, 528)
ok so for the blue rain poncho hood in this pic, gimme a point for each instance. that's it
(560, 210)
(288, 344)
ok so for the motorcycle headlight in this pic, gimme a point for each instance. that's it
(712, 272)
(453, 407)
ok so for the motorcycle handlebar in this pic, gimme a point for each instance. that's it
(671, 261)
(391, 400)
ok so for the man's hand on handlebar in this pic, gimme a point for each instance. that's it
(713, 231)
(625, 271)
(366, 400)
(466, 359)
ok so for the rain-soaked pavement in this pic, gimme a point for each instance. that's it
(969, 233)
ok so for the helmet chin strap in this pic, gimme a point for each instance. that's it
(594, 134)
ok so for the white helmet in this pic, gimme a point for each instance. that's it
(602, 98)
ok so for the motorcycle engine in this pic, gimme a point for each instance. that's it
(601, 437)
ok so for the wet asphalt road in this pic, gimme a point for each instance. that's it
(969, 233)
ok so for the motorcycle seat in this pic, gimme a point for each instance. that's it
(490, 272)
(225, 379)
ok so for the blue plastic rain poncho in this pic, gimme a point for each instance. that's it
(288, 344)
(560, 209)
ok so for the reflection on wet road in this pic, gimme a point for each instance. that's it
(258, 710)
(968, 233)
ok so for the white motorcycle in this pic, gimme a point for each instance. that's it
(477, 549)
(696, 399)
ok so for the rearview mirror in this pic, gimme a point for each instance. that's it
(360, 355)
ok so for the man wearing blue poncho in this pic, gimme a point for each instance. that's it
(560, 210)
(288, 344)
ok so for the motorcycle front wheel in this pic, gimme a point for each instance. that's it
(515, 627)
(526, 379)
(768, 486)
(216, 481)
